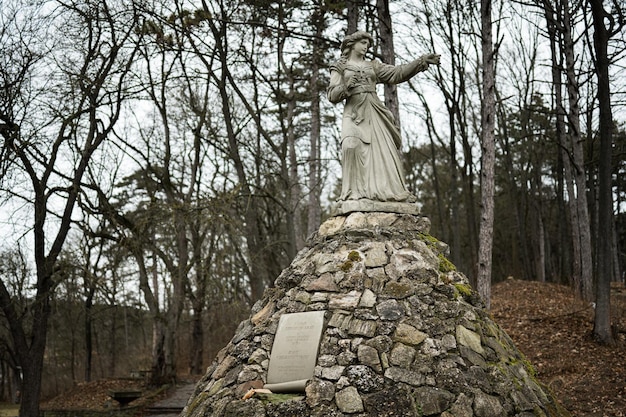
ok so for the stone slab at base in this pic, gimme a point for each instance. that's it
(364, 205)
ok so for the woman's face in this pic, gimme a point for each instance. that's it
(361, 46)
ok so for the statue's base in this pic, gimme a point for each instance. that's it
(364, 205)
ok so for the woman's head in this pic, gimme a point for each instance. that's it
(350, 40)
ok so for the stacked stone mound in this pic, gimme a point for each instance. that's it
(404, 335)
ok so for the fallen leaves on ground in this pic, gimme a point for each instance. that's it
(554, 329)
(95, 395)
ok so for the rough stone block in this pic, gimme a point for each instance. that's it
(469, 338)
(487, 406)
(433, 400)
(364, 378)
(402, 355)
(368, 299)
(346, 301)
(376, 255)
(362, 328)
(405, 375)
(408, 335)
(318, 391)
(331, 226)
(349, 401)
(381, 343)
(399, 290)
(324, 283)
(368, 355)
(332, 373)
(390, 310)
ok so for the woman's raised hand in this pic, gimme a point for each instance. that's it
(433, 59)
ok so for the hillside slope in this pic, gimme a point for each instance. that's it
(553, 329)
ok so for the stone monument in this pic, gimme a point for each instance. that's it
(371, 319)
(403, 335)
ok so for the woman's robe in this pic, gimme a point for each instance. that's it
(370, 140)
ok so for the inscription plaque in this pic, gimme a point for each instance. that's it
(294, 352)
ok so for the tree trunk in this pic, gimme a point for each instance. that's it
(602, 322)
(31, 385)
(557, 21)
(163, 369)
(259, 274)
(541, 246)
(433, 164)
(488, 157)
(467, 175)
(199, 298)
(197, 343)
(314, 217)
(30, 348)
(353, 16)
(580, 198)
(158, 351)
(455, 223)
(519, 248)
(294, 224)
(89, 334)
(387, 51)
(112, 368)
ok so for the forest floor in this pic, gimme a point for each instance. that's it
(95, 395)
(546, 322)
(554, 330)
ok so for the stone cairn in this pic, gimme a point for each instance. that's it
(405, 335)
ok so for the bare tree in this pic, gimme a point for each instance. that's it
(488, 155)
(601, 35)
(314, 217)
(50, 143)
(576, 160)
(388, 55)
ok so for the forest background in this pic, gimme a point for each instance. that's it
(163, 161)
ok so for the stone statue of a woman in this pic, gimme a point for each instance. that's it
(370, 140)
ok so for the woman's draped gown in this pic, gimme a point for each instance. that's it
(370, 140)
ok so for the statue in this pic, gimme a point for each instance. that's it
(370, 140)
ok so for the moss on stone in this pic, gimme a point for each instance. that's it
(216, 387)
(354, 256)
(433, 243)
(463, 289)
(532, 372)
(417, 408)
(429, 239)
(444, 264)
(398, 290)
(346, 266)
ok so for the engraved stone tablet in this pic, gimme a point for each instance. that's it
(294, 352)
